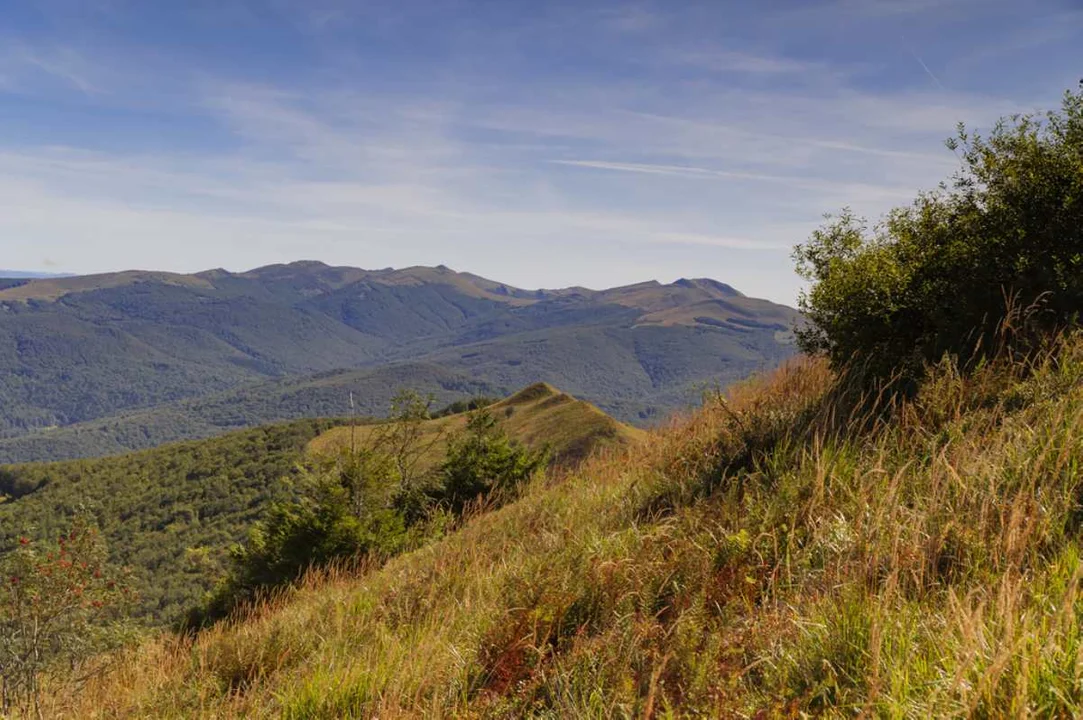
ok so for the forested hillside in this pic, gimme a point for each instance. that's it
(171, 513)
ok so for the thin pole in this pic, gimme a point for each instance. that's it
(353, 426)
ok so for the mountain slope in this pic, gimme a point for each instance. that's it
(759, 559)
(85, 348)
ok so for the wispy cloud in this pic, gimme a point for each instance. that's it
(674, 170)
(809, 183)
(718, 241)
(633, 19)
(21, 65)
(890, 8)
(719, 60)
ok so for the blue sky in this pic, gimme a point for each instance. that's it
(540, 143)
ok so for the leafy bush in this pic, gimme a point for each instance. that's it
(460, 406)
(483, 461)
(357, 504)
(324, 525)
(1000, 246)
(56, 608)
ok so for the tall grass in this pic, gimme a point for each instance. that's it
(778, 553)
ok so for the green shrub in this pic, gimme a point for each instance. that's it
(357, 504)
(483, 461)
(460, 406)
(999, 248)
(313, 531)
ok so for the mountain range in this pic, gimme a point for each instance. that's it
(98, 364)
(29, 274)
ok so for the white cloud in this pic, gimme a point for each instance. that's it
(633, 19)
(732, 243)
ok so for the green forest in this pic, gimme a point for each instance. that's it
(170, 514)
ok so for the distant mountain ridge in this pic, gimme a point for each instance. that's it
(29, 275)
(85, 349)
(325, 395)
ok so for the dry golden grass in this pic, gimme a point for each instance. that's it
(770, 556)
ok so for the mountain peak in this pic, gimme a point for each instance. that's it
(709, 285)
(295, 266)
(537, 391)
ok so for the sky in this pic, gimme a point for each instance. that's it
(541, 143)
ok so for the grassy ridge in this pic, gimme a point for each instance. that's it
(768, 556)
(538, 416)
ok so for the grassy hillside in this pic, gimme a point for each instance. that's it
(79, 349)
(538, 416)
(770, 556)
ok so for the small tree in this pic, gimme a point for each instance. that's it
(57, 607)
(484, 462)
(394, 466)
(360, 503)
(314, 530)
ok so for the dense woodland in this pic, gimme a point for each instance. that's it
(170, 514)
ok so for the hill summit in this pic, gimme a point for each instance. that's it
(539, 416)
